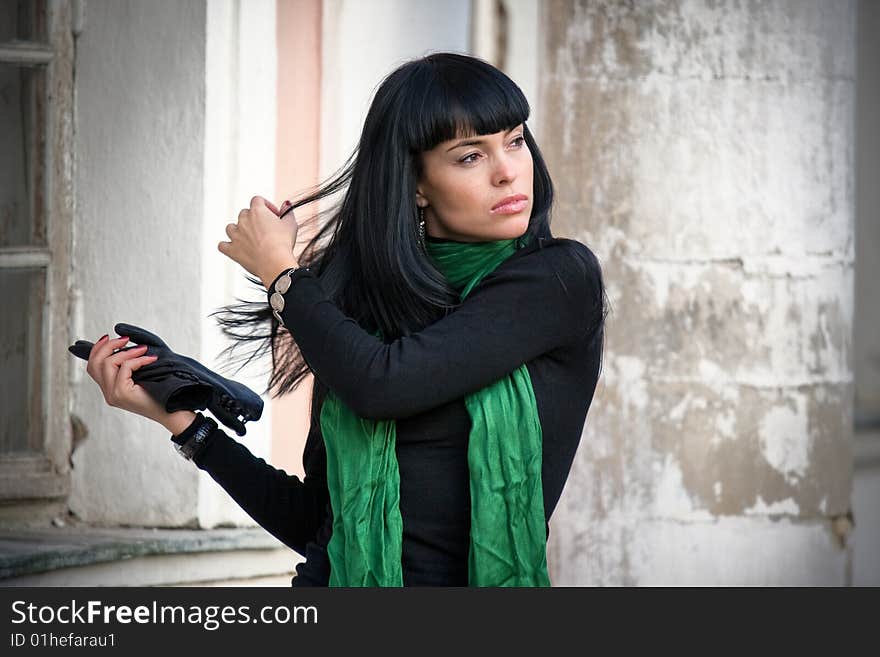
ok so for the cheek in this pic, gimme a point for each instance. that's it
(459, 192)
(528, 167)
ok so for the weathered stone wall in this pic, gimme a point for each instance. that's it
(704, 150)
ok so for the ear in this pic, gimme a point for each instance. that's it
(421, 201)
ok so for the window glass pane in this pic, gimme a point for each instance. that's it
(23, 135)
(23, 20)
(21, 349)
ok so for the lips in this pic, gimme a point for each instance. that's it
(511, 204)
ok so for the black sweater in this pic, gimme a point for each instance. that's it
(541, 307)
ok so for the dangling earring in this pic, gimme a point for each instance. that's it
(422, 228)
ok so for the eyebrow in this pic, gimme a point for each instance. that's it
(476, 142)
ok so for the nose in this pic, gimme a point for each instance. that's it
(505, 170)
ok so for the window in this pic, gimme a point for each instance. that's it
(36, 213)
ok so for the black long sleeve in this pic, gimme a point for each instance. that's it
(525, 308)
(290, 509)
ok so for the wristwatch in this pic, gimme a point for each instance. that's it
(189, 443)
(279, 288)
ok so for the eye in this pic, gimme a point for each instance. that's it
(518, 142)
(467, 158)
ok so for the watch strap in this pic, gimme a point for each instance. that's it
(188, 433)
(193, 440)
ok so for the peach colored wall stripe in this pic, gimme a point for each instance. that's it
(296, 154)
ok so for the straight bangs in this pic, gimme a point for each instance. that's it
(462, 97)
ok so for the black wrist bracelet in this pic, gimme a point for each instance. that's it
(187, 433)
(194, 444)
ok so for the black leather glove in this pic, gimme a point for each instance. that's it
(182, 383)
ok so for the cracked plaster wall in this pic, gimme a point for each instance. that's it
(704, 151)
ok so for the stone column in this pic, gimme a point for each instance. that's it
(704, 151)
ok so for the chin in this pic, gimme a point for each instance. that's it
(515, 227)
(509, 228)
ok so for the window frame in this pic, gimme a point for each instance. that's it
(45, 475)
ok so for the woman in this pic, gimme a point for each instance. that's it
(455, 344)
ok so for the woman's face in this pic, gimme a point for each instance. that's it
(477, 189)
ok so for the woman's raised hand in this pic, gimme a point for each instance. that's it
(112, 372)
(261, 242)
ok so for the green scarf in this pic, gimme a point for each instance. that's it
(508, 541)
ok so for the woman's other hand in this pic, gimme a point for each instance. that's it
(112, 372)
(261, 242)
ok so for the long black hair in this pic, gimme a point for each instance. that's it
(366, 254)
